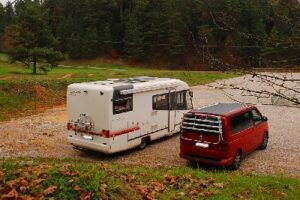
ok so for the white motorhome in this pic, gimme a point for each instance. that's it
(118, 114)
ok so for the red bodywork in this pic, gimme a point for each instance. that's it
(221, 151)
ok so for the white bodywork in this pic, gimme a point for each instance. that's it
(115, 115)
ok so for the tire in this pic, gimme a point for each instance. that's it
(144, 143)
(237, 160)
(264, 143)
(192, 163)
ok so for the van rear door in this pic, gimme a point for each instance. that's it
(203, 128)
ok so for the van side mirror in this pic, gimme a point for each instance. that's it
(264, 118)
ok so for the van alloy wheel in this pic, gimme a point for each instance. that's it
(237, 160)
(264, 143)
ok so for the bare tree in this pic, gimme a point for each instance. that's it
(272, 88)
(267, 88)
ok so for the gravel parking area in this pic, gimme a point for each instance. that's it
(44, 135)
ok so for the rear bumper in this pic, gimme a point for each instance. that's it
(206, 160)
(205, 156)
(90, 145)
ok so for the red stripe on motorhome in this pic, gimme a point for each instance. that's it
(106, 133)
(124, 131)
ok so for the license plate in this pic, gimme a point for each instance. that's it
(87, 137)
(200, 144)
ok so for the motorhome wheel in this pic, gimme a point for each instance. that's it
(144, 143)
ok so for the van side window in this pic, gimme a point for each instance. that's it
(122, 105)
(241, 122)
(256, 116)
(160, 102)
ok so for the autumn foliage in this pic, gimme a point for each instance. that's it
(27, 179)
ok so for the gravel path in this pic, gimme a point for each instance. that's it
(44, 135)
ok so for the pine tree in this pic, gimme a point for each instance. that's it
(105, 40)
(33, 41)
(2, 24)
(133, 39)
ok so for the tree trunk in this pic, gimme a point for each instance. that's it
(34, 65)
(121, 10)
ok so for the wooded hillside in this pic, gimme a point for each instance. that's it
(198, 33)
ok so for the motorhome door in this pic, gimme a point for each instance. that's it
(172, 110)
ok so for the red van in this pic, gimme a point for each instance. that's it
(223, 134)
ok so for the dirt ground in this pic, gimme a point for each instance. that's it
(44, 135)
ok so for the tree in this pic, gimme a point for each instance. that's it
(2, 24)
(2, 21)
(33, 41)
(133, 39)
(43, 58)
(105, 40)
(9, 14)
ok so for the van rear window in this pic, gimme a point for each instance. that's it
(241, 122)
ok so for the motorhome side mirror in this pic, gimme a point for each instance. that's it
(264, 118)
(191, 93)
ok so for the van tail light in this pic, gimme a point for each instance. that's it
(223, 146)
(69, 126)
(105, 133)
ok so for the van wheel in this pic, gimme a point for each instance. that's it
(264, 143)
(237, 160)
(144, 143)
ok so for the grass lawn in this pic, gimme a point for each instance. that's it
(22, 93)
(70, 179)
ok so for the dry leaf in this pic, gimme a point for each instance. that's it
(210, 180)
(127, 178)
(207, 193)
(24, 182)
(86, 195)
(13, 183)
(26, 198)
(181, 194)
(219, 185)
(50, 190)
(1, 175)
(170, 179)
(13, 194)
(29, 163)
(148, 197)
(23, 189)
(102, 189)
(203, 184)
(193, 193)
(76, 188)
(156, 186)
(141, 189)
(69, 173)
(42, 175)
(37, 182)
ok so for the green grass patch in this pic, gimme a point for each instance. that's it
(22, 93)
(71, 179)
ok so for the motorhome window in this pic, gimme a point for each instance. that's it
(188, 99)
(178, 100)
(160, 102)
(122, 105)
(241, 122)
